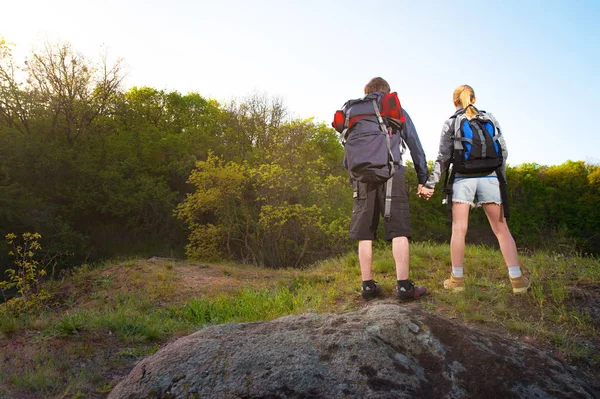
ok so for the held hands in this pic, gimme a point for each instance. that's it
(424, 192)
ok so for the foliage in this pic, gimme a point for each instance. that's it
(556, 207)
(26, 277)
(270, 214)
(101, 171)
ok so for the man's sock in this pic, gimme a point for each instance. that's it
(457, 271)
(368, 283)
(514, 271)
(404, 285)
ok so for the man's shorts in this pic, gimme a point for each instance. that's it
(369, 204)
(476, 190)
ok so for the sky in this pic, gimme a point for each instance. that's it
(534, 64)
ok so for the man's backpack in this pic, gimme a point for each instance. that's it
(476, 151)
(366, 126)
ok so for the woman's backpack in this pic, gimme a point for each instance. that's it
(476, 151)
(476, 146)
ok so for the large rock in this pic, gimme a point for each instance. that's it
(382, 351)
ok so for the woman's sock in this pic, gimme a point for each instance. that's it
(514, 271)
(457, 271)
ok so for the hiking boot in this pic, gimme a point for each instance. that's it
(455, 283)
(411, 293)
(520, 284)
(370, 290)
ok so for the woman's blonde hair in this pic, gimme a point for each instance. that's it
(464, 96)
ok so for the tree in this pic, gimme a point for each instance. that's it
(62, 87)
(14, 104)
(249, 126)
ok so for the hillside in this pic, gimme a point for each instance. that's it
(104, 319)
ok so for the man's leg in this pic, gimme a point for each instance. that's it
(406, 289)
(398, 231)
(401, 254)
(363, 225)
(397, 227)
(365, 258)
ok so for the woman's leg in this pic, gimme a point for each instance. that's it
(460, 224)
(505, 239)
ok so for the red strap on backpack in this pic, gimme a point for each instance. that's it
(391, 108)
(338, 121)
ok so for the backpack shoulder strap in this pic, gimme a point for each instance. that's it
(457, 136)
(382, 125)
(344, 134)
(484, 116)
(459, 114)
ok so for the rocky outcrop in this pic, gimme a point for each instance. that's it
(382, 351)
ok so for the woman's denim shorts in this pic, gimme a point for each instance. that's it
(476, 190)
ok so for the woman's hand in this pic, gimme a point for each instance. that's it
(424, 192)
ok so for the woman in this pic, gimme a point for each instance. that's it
(471, 190)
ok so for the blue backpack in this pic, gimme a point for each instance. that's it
(476, 146)
(476, 151)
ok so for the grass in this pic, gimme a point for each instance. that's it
(255, 305)
(112, 315)
(42, 379)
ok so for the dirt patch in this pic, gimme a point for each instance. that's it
(586, 299)
(85, 363)
(169, 282)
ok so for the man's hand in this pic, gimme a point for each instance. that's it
(424, 192)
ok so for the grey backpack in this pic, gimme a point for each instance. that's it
(366, 126)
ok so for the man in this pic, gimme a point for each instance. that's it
(369, 203)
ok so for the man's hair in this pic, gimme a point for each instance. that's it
(377, 84)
